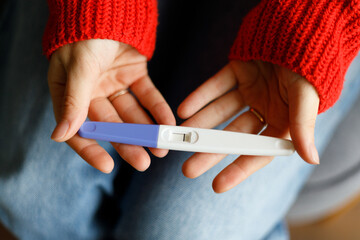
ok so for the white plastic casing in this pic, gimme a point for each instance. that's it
(218, 141)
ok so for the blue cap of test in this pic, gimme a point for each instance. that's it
(136, 134)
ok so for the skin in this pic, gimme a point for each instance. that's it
(82, 76)
(286, 100)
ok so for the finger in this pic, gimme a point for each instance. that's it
(81, 78)
(89, 150)
(102, 110)
(56, 82)
(151, 99)
(131, 111)
(244, 166)
(199, 163)
(238, 171)
(303, 110)
(92, 153)
(217, 112)
(213, 88)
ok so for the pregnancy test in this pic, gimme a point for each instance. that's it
(187, 138)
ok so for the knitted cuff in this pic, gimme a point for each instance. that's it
(129, 21)
(316, 39)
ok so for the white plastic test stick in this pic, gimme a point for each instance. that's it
(218, 141)
(187, 139)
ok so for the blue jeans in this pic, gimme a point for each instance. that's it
(48, 192)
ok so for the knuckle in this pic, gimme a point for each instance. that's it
(220, 110)
(84, 151)
(110, 118)
(129, 110)
(159, 107)
(241, 171)
(71, 102)
(308, 123)
(149, 92)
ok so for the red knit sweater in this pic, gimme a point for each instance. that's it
(316, 39)
(129, 21)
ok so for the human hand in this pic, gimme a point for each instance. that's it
(82, 76)
(288, 103)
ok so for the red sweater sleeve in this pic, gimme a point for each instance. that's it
(129, 21)
(316, 39)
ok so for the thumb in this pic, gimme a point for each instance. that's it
(73, 104)
(303, 110)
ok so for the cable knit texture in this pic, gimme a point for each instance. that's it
(129, 21)
(316, 39)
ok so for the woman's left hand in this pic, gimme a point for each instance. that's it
(287, 101)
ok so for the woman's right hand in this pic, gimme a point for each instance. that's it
(82, 76)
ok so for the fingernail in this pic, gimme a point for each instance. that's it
(60, 131)
(314, 154)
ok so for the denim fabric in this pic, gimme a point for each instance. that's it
(48, 192)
